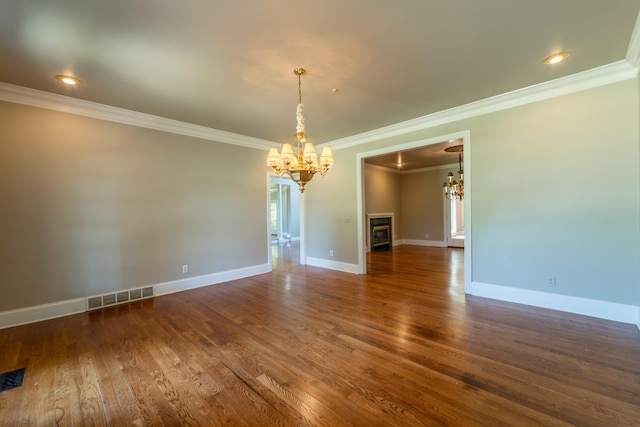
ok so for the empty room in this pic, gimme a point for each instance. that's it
(258, 213)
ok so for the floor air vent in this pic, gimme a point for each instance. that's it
(12, 379)
(121, 297)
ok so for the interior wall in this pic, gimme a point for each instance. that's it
(414, 196)
(383, 195)
(555, 194)
(331, 209)
(422, 205)
(90, 206)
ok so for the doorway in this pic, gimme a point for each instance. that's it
(462, 230)
(280, 209)
(284, 219)
(454, 214)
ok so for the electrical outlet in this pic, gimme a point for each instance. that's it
(331, 252)
(185, 269)
(551, 282)
(426, 235)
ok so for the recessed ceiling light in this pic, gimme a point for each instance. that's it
(68, 80)
(556, 58)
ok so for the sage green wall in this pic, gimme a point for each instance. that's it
(90, 206)
(423, 204)
(415, 197)
(382, 195)
(554, 192)
(331, 212)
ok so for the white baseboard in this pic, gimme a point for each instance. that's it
(413, 242)
(600, 309)
(333, 265)
(281, 240)
(595, 308)
(208, 279)
(37, 313)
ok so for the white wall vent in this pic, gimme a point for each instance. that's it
(147, 292)
(106, 300)
(94, 302)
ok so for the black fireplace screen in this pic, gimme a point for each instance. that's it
(380, 233)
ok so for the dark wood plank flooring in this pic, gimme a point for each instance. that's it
(401, 346)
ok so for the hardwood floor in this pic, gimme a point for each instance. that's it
(402, 346)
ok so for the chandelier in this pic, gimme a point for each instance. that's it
(453, 188)
(304, 164)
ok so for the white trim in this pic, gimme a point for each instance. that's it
(38, 313)
(455, 243)
(268, 209)
(67, 104)
(446, 219)
(633, 50)
(467, 214)
(333, 265)
(417, 242)
(209, 279)
(363, 222)
(381, 168)
(600, 76)
(360, 220)
(429, 169)
(607, 74)
(414, 144)
(410, 171)
(588, 307)
(303, 228)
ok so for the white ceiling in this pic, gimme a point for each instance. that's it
(229, 65)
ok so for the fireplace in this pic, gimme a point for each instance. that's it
(380, 232)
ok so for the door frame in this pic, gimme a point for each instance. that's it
(448, 240)
(360, 157)
(302, 219)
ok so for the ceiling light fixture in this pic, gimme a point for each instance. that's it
(453, 188)
(68, 80)
(556, 58)
(302, 166)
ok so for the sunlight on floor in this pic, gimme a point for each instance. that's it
(287, 253)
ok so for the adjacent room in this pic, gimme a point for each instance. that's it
(357, 213)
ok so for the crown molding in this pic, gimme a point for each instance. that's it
(601, 76)
(633, 51)
(607, 74)
(67, 104)
(410, 171)
(451, 166)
